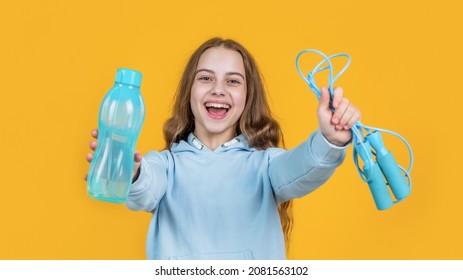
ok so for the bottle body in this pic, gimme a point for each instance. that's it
(121, 118)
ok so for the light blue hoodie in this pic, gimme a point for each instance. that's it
(223, 204)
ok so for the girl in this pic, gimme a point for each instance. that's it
(222, 189)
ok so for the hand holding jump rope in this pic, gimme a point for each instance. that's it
(380, 169)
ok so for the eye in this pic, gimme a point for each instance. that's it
(205, 78)
(234, 81)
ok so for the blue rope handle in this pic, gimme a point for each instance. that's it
(361, 143)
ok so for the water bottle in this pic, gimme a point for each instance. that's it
(120, 121)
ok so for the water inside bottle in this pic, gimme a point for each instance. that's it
(115, 166)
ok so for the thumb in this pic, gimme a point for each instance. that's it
(137, 157)
(324, 103)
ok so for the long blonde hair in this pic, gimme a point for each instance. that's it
(256, 121)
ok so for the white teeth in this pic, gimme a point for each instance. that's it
(217, 105)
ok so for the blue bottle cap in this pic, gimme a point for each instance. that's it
(128, 76)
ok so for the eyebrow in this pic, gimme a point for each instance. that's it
(212, 72)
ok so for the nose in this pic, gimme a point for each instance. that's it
(218, 88)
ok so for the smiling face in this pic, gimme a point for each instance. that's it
(218, 94)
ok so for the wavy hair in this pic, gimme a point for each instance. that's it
(256, 121)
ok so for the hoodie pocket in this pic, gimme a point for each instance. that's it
(242, 255)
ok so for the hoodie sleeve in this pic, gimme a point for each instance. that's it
(301, 170)
(146, 192)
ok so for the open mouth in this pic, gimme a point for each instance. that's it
(217, 110)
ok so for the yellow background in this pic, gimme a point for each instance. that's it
(58, 59)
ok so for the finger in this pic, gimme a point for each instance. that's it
(354, 118)
(89, 157)
(93, 144)
(349, 118)
(348, 114)
(324, 99)
(95, 133)
(85, 177)
(340, 111)
(138, 156)
(337, 97)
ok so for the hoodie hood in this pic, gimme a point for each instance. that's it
(194, 145)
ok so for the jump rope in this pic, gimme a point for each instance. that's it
(380, 169)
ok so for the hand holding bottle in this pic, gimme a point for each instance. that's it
(94, 144)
